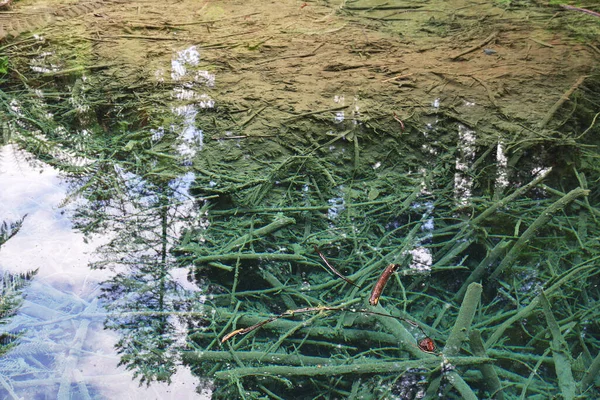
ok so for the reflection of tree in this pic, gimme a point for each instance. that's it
(130, 181)
(10, 287)
(142, 296)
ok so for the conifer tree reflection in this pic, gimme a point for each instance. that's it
(135, 187)
(11, 286)
(142, 297)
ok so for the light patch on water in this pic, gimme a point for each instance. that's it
(429, 225)
(187, 59)
(189, 56)
(159, 75)
(422, 259)
(423, 184)
(41, 65)
(463, 182)
(356, 111)
(502, 168)
(180, 276)
(61, 302)
(183, 69)
(157, 134)
(427, 148)
(339, 116)
(201, 100)
(192, 139)
(337, 205)
(181, 186)
(78, 98)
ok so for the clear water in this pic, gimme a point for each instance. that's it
(175, 213)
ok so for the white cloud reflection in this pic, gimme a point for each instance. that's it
(61, 300)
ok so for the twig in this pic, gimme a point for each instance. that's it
(212, 21)
(236, 211)
(499, 204)
(381, 7)
(488, 90)
(274, 226)
(8, 387)
(312, 53)
(380, 284)
(561, 101)
(276, 283)
(541, 43)
(476, 47)
(144, 37)
(288, 313)
(397, 77)
(403, 336)
(532, 374)
(583, 10)
(332, 268)
(250, 256)
(594, 48)
(590, 127)
(461, 386)
(293, 327)
(594, 211)
(77, 69)
(306, 114)
(242, 137)
(249, 119)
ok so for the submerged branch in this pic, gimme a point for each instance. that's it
(463, 320)
(542, 220)
(377, 367)
(560, 353)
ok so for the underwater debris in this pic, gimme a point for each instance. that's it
(332, 268)
(381, 282)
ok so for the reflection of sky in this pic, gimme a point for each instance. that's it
(184, 69)
(463, 182)
(64, 287)
(181, 186)
(421, 257)
(502, 168)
